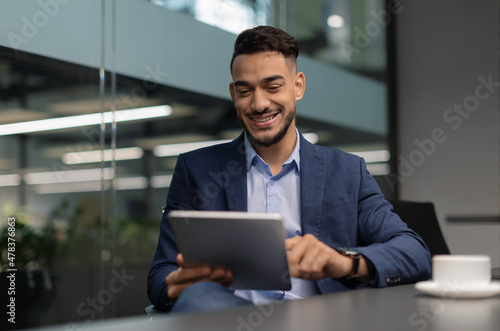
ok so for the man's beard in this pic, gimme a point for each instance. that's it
(269, 141)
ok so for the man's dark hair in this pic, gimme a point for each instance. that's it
(265, 39)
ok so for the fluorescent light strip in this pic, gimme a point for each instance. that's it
(131, 183)
(311, 137)
(95, 156)
(10, 180)
(68, 176)
(92, 186)
(161, 181)
(127, 183)
(84, 120)
(378, 169)
(176, 149)
(374, 156)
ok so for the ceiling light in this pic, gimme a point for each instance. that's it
(176, 149)
(68, 176)
(126, 183)
(131, 183)
(378, 169)
(311, 137)
(374, 156)
(84, 120)
(10, 180)
(93, 186)
(161, 181)
(96, 156)
(335, 21)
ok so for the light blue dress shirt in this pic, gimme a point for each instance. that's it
(276, 194)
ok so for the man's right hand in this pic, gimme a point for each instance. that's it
(178, 280)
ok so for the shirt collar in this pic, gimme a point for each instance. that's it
(252, 157)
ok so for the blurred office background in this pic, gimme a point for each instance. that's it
(98, 97)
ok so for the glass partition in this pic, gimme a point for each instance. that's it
(345, 33)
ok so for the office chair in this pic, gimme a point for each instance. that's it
(421, 218)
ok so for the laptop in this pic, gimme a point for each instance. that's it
(251, 245)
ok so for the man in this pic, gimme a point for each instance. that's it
(327, 197)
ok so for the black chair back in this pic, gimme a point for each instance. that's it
(421, 218)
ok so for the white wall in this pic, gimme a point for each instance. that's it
(446, 49)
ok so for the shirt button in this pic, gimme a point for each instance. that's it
(273, 182)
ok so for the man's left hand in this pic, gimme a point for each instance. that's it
(309, 258)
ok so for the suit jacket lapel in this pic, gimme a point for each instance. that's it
(312, 179)
(312, 175)
(234, 174)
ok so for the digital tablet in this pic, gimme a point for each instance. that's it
(251, 245)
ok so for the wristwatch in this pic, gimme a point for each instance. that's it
(350, 280)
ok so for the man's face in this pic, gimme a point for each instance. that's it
(264, 90)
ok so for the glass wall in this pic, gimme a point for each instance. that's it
(345, 33)
(97, 99)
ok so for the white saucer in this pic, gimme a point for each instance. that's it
(454, 292)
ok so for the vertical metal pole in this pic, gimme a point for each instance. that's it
(23, 164)
(102, 90)
(113, 144)
(283, 14)
(291, 18)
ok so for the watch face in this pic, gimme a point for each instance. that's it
(347, 252)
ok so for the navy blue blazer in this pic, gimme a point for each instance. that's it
(341, 205)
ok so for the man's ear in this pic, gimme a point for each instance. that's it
(231, 90)
(299, 85)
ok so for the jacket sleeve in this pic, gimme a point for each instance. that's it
(397, 253)
(180, 196)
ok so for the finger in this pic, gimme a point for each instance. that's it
(291, 242)
(294, 258)
(319, 260)
(221, 275)
(308, 258)
(307, 239)
(313, 262)
(297, 249)
(186, 275)
(226, 278)
(180, 260)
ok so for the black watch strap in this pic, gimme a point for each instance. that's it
(350, 280)
(355, 256)
(355, 266)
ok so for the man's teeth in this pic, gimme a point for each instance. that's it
(264, 119)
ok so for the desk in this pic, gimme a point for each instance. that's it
(394, 308)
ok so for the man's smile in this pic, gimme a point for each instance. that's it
(263, 119)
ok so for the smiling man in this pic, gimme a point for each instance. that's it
(328, 200)
(265, 90)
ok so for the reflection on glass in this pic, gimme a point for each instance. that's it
(230, 15)
(346, 33)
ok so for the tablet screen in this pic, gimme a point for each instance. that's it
(251, 245)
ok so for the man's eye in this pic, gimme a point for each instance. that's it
(274, 87)
(242, 91)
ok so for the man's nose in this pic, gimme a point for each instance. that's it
(260, 102)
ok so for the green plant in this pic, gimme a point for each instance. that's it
(34, 244)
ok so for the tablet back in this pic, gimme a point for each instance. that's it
(251, 245)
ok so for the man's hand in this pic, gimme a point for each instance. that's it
(309, 258)
(178, 280)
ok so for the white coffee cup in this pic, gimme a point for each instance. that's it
(461, 271)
